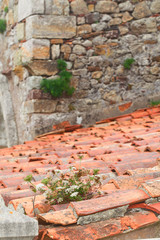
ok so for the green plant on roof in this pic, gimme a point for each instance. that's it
(155, 103)
(128, 63)
(57, 87)
(3, 25)
(73, 185)
(6, 9)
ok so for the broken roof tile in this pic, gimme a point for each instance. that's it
(62, 217)
(113, 200)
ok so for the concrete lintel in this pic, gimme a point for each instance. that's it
(16, 226)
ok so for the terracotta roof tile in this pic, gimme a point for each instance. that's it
(62, 217)
(113, 200)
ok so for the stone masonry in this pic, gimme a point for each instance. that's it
(94, 37)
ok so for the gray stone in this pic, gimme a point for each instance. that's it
(48, 26)
(155, 6)
(92, 17)
(80, 72)
(79, 50)
(41, 67)
(29, 7)
(55, 49)
(106, 7)
(126, 6)
(99, 26)
(40, 106)
(80, 20)
(144, 26)
(102, 216)
(141, 10)
(8, 113)
(106, 18)
(60, 7)
(79, 7)
(16, 226)
(48, 6)
(87, 43)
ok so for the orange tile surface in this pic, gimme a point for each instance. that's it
(125, 149)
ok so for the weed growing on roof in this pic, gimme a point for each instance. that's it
(128, 63)
(71, 186)
(3, 25)
(56, 87)
(155, 103)
(6, 9)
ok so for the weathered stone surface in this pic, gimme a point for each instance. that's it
(20, 31)
(80, 20)
(92, 17)
(155, 6)
(91, 7)
(60, 7)
(55, 49)
(83, 29)
(8, 112)
(16, 226)
(48, 6)
(144, 26)
(40, 106)
(47, 26)
(115, 21)
(29, 7)
(126, 17)
(65, 48)
(106, 7)
(42, 67)
(97, 74)
(79, 50)
(35, 49)
(112, 97)
(126, 6)
(141, 10)
(79, 7)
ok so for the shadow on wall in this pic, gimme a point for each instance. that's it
(3, 138)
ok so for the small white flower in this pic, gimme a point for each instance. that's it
(59, 188)
(74, 194)
(59, 200)
(40, 186)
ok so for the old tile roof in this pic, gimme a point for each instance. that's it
(125, 149)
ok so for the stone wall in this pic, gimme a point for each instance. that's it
(94, 37)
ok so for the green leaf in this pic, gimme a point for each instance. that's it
(28, 178)
(3, 25)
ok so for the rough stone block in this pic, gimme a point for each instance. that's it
(106, 7)
(29, 7)
(60, 7)
(79, 7)
(155, 6)
(42, 67)
(35, 49)
(55, 51)
(40, 106)
(20, 31)
(48, 6)
(50, 26)
(144, 26)
(141, 10)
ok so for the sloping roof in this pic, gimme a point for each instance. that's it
(126, 150)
